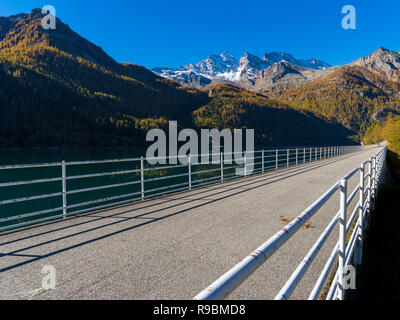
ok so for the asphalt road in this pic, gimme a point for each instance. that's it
(173, 247)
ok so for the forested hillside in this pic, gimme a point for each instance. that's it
(58, 89)
(352, 96)
(274, 122)
(388, 131)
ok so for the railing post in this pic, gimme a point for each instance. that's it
(369, 186)
(288, 158)
(316, 154)
(222, 167)
(245, 163)
(297, 156)
(358, 254)
(277, 159)
(190, 171)
(142, 176)
(374, 178)
(310, 154)
(342, 238)
(64, 188)
(304, 156)
(262, 162)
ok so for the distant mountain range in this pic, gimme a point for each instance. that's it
(275, 71)
(59, 89)
(355, 95)
(248, 71)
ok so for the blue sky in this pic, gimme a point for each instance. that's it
(174, 32)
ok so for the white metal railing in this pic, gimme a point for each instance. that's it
(140, 178)
(343, 251)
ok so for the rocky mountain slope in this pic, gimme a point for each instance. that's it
(382, 62)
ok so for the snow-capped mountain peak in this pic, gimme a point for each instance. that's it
(227, 57)
(215, 65)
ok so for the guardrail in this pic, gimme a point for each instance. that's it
(343, 251)
(138, 181)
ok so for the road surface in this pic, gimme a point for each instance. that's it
(173, 247)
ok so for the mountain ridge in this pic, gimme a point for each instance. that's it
(382, 61)
(225, 66)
